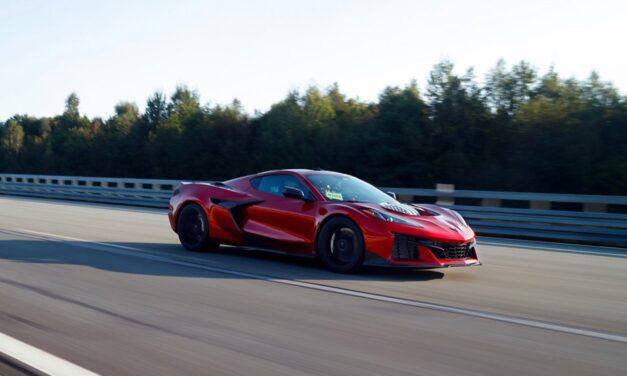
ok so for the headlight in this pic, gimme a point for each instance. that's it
(388, 217)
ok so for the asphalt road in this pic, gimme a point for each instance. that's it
(109, 289)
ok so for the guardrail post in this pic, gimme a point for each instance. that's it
(405, 198)
(545, 205)
(492, 202)
(594, 207)
(447, 199)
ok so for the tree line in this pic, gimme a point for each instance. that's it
(516, 130)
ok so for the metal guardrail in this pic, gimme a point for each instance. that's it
(135, 192)
(535, 215)
(488, 213)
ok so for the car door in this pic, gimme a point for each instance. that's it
(279, 222)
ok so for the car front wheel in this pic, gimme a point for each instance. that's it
(340, 245)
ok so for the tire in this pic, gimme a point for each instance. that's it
(193, 229)
(340, 245)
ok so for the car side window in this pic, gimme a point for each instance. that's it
(275, 184)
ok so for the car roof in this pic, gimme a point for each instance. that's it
(293, 171)
(299, 171)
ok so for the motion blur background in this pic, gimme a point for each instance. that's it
(521, 96)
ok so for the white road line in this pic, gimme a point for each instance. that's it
(599, 251)
(142, 253)
(39, 359)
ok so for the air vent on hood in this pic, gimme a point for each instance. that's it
(400, 208)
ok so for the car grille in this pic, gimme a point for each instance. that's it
(451, 251)
(405, 248)
(459, 251)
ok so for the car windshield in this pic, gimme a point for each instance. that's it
(348, 188)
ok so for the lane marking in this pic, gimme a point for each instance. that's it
(39, 359)
(146, 254)
(599, 251)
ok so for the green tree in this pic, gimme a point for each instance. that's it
(126, 117)
(507, 90)
(12, 139)
(517, 131)
(71, 105)
(399, 137)
(156, 111)
(460, 119)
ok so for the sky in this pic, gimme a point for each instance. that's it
(257, 51)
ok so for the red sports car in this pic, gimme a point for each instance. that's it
(343, 220)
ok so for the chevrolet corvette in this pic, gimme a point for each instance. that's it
(338, 218)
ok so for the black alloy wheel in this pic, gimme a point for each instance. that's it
(193, 229)
(340, 245)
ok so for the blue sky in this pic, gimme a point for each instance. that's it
(110, 51)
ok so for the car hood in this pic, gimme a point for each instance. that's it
(433, 222)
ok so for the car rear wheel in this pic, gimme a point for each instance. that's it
(340, 245)
(193, 229)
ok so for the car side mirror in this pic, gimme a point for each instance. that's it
(291, 192)
(391, 194)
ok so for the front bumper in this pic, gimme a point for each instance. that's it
(413, 252)
(382, 262)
